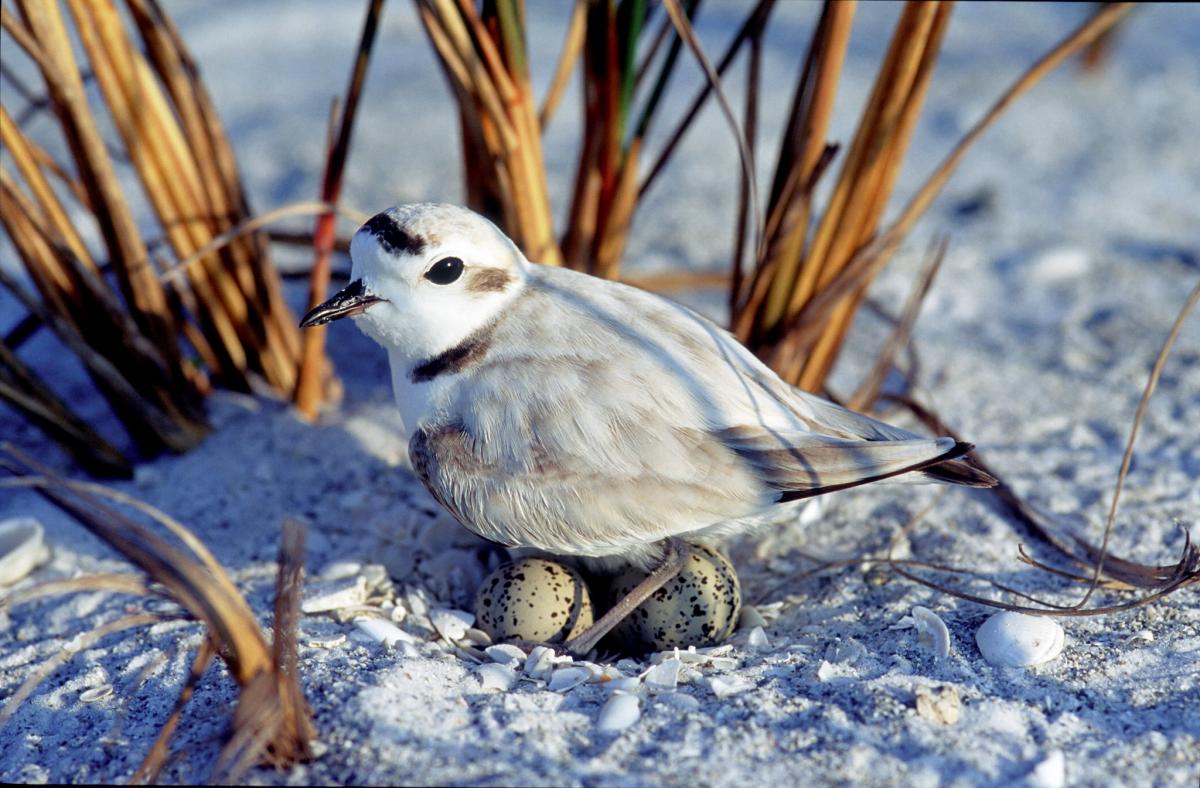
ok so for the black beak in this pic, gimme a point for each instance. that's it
(354, 299)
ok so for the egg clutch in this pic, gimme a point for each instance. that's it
(542, 600)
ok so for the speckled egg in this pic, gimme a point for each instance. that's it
(699, 607)
(533, 599)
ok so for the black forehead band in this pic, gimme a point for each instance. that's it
(391, 236)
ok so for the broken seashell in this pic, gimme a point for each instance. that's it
(95, 693)
(383, 631)
(505, 654)
(496, 677)
(663, 677)
(757, 639)
(724, 687)
(324, 595)
(621, 711)
(451, 624)
(329, 642)
(565, 679)
(931, 631)
(22, 548)
(1011, 639)
(540, 663)
(625, 684)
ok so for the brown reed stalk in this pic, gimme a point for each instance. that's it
(314, 371)
(801, 331)
(483, 55)
(226, 306)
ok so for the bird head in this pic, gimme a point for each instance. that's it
(425, 277)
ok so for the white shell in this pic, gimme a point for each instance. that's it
(505, 654)
(663, 677)
(496, 677)
(22, 548)
(1011, 639)
(724, 687)
(625, 684)
(1051, 772)
(931, 631)
(451, 624)
(540, 663)
(757, 639)
(565, 679)
(621, 711)
(96, 693)
(383, 631)
(324, 595)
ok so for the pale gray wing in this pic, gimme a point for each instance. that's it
(580, 503)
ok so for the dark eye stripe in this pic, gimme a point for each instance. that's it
(445, 271)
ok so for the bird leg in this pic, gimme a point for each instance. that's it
(674, 557)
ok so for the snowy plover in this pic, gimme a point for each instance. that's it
(546, 408)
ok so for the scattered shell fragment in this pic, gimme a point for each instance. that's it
(625, 684)
(324, 595)
(22, 548)
(931, 631)
(330, 642)
(506, 654)
(568, 678)
(95, 693)
(540, 663)
(621, 711)
(496, 677)
(383, 631)
(700, 606)
(939, 704)
(663, 677)
(1010, 639)
(451, 624)
(757, 639)
(534, 599)
(1050, 772)
(724, 687)
(683, 701)
(340, 570)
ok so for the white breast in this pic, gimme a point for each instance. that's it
(417, 402)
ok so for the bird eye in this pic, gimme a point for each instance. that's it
(445, 271)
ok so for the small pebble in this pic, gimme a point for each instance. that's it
(621, 711)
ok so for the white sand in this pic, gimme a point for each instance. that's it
(1035, 344)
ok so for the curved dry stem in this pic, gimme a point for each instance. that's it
(313, 208)
(684, 28)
